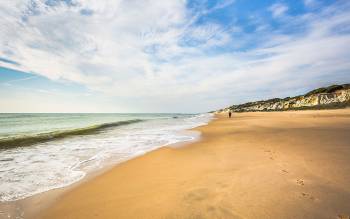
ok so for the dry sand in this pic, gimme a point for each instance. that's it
(254, 165)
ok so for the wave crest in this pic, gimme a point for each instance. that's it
(27, 140)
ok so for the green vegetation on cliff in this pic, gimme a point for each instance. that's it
(329, 89)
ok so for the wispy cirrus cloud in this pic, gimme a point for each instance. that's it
(278, 9)
(311, 3)
(164, 54)
(10, 82)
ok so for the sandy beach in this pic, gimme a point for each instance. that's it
(255, 165)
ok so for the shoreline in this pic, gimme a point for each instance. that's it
(30, 207)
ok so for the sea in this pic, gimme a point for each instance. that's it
(44, 151)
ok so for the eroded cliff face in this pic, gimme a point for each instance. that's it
(336, 96)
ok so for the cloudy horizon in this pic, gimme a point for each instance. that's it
(167, 56)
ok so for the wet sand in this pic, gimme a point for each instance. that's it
(254, 165)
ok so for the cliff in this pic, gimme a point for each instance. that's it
(335, 96)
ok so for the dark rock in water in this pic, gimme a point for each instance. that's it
(175, 117)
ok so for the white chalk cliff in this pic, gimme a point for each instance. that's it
(335, 96)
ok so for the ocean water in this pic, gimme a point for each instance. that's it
(40, 152)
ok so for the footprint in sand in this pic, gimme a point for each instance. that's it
(300, 182)
(271, 154)
(199, 194)
(306, 195)
(341, 216)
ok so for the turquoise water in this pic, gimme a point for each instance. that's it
(19, 124)
(40, 152)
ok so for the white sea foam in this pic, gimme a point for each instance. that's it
(34, 169)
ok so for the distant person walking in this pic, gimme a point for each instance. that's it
(229, 114)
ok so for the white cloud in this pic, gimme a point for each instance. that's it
(311, 3)
(278, 9)
(151, 51)
(223, 4)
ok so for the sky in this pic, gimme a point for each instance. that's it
(183, 56)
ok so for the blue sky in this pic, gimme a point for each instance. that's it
(167, 56)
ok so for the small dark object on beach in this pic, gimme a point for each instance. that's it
(229, 114)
